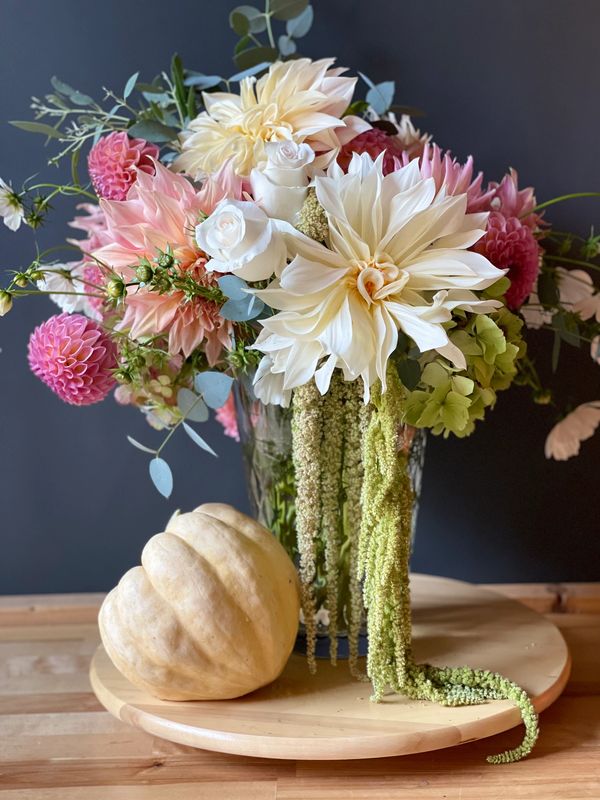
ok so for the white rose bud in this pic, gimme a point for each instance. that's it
(240, 238)
(280, 187)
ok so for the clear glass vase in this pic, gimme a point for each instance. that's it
(266, 440)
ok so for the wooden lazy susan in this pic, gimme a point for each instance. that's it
(330, 716)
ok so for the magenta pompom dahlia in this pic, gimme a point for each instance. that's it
(510, 244)
(74, 357)
(113, 163)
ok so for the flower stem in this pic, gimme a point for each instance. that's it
(564, 197)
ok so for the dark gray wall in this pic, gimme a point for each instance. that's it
(515, 82)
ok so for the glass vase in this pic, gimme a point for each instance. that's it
(266, 440)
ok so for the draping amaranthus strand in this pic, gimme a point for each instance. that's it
(384, 551)
(307, 436)
(331, 499)
(355, 415)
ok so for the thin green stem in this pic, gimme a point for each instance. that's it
(268, 20)
(563, 197)
(575, 261)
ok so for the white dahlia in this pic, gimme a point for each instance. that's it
(300, 101)
(396, 259)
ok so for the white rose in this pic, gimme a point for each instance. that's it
(240, 238)
(280, 187)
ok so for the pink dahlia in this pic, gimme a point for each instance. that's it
(514, 202)
(74, 357)
(161, 212)
(456, 178)
(510, 244)
(115, 161)
(374, 142)
(228, 418)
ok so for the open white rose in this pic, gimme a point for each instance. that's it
(281, 186)
(240, 238)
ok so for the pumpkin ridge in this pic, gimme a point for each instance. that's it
(233, 642)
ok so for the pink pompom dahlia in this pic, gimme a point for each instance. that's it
(74, 357)
(510, 244)
(114, 162)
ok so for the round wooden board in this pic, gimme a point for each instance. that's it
(330, 716)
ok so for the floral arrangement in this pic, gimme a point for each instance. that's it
(273, 229)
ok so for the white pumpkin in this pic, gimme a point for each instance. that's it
(211, 614)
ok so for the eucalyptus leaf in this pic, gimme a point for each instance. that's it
(150, 88)
(380, 96)
(256, 19)
(191, 405)
(239, 23)
(287, 9)
(130, 85)
(153, 131)
(161, 475)
(242, 310)
(248, 73)
(203, 81)
(244, 43)
(197, 439)
(300, 25)
(139, 446)
(287, 46)
(255, 56)
(233, 287)
(214, 387)
(37, 127)
(81, 99)
(61, 86)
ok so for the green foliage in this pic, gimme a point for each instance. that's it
(248, 22)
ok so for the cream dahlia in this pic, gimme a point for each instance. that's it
(564, 440)
(397, 259)
(299, 100)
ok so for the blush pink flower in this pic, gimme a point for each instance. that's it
(116, 160)
(161, 212)
(74, 357)
(221, 185)
(564, 440)
(510, 244)
(227, 416)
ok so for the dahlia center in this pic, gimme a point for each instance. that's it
(377, 278)
(265, 122)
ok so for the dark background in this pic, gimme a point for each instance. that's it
(515, 82)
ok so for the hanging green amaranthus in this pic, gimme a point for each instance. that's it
(384, 552)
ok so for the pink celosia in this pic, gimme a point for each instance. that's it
(374, 142)
(74, 357)
(510, 244)
(227, 416)
(116, 160)
(161, 212)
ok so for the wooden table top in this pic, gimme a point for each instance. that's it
(58, 743)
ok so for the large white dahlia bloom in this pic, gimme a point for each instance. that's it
(299, 100)
(396, 259)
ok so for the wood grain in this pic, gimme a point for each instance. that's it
(71, 749)
(330, 715)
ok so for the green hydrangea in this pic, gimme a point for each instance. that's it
(448, 400)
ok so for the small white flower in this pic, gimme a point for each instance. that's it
(240, 238)
(58, 282)
(280, 187)
(565, 438)
(11, 208)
